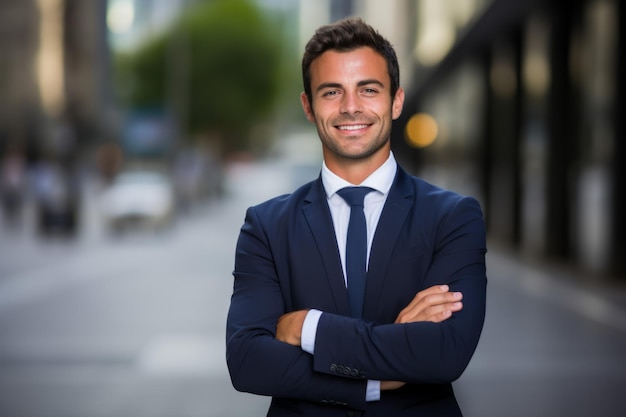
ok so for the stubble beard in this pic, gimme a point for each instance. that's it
(334, 146)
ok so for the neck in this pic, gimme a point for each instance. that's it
(355, 171)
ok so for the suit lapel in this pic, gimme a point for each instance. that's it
(318, 217)
(396, 209)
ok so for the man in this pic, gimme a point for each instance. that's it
(298, 328)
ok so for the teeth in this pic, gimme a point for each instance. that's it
(352, 127)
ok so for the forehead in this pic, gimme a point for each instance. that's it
(347, 67)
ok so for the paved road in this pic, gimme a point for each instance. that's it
(101, 327)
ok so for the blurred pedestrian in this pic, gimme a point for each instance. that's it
(333, 314)
(109, 160)
(12, 184)
(56, 195)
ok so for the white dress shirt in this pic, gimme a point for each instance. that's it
(381, 181)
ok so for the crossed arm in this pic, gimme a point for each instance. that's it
(434, 304)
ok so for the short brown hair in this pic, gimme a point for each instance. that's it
(346, 35)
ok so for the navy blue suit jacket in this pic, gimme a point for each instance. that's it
(287, 259)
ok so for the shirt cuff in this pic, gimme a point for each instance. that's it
(309, 331)
(373, 391)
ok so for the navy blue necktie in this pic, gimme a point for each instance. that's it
(356, 247)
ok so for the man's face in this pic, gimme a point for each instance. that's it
(352, 106)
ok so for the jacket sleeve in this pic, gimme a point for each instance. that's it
(257, 362)
(421, 352)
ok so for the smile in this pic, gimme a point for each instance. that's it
(352, 127)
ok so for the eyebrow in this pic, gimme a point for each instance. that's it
(359, 84)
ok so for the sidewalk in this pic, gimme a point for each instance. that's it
(553, 344)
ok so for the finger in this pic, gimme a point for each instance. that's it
(432, 299)
(435, 315)
(442, 313)
(429, 312)
(435, 289)
(433, 296)
(443, 298)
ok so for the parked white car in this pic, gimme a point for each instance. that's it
(139, 199)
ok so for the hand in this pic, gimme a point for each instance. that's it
(289, 327)
(434, 304)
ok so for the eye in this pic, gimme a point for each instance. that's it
(330, 93)
(369, 91)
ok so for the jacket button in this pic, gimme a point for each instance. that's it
(333, 368)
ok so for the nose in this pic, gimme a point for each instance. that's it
(351, 103)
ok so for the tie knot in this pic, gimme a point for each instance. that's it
(354, 195)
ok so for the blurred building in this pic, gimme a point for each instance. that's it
(54, 75)
(528, 98)
(54, 78)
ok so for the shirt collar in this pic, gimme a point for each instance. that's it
(380, 180)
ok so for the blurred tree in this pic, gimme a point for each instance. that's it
(219, 69)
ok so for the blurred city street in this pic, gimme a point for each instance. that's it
(133, 325)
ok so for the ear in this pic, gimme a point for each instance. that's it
(398, 104)
(306, 106)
